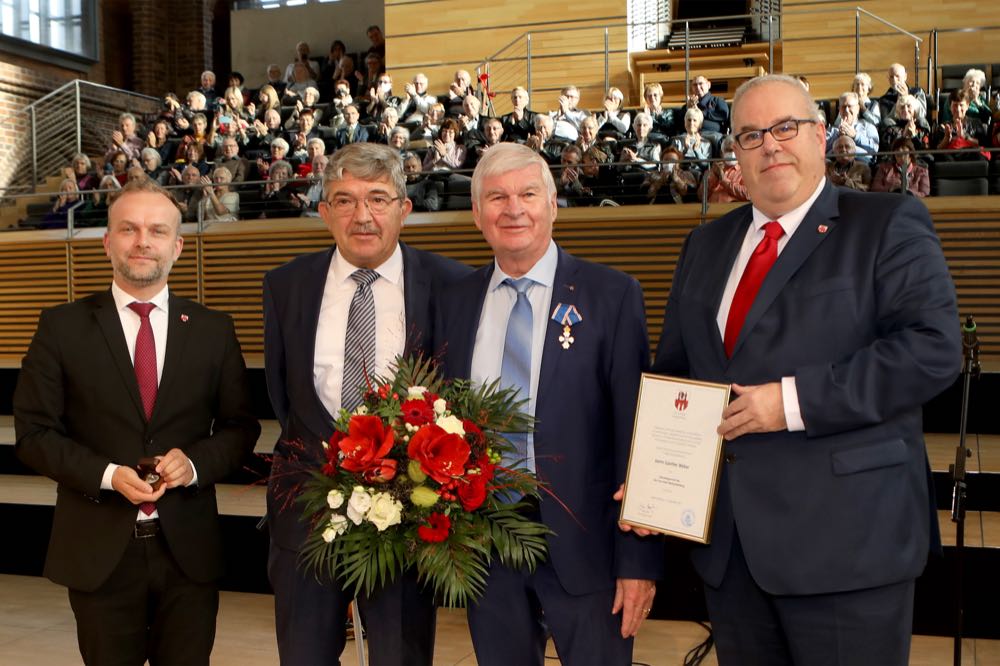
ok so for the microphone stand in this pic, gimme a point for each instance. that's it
(970, 369)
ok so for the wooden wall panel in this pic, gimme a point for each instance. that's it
(33, 276)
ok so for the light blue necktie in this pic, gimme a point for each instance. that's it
(359, 343)
(515, 371)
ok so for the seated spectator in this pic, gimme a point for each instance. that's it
(641, 153)
(301, 58)
(278, 200)
(907, 124)
(962, 132)
(597, 181)
(420, 189)
(889, 177)
(351, 132)
(377, 39)
(386, 123)
(264, 133)
(82, 172)
(314, 148)
(380, 97)
(207, 89)
(567, 117)
(237, 80)
(428, 130)
(973, 86)
(159, 140)
(844, 169)
(567, 175)
(118, 167)
(237, 166)
(194, 155)
(692, 145)
(416, 100)
(330, 69)
(69, 196)
(460, 88)
(308, 102)
(125, 140)
(520, 122)
(99, 197)
(542, 141)
(219, 203)
(267, 98)
(725, 178)
(279, 150)
(663, 119)
(190, 194)
(298, 139)
(153, 167)
(446, 153)
(869, 108)
(303, 80)
(350, 74)
(469, 121)
(849, 123)
(715, 111)
(185, 114)
(275, 80)
(314, 186)
(341, 100)
(614, 120)
(492, 134)
(897, 87)
(200, 134)
(675, 181)
(588, 137)
(231, 117)
(399, 138)
(368, 79)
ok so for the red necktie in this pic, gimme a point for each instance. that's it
(145, 369)
(763, 257)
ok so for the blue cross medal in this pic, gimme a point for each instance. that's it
(568, 316)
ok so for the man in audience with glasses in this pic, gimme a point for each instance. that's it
(309, 313)
(832, 314)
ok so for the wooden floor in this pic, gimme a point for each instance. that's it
(37, 627)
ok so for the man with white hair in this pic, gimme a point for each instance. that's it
(416, 100)
(897, 87)
(567, 117)
(543, 142)
(850, 124)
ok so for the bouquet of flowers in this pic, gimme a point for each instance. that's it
(413, 478)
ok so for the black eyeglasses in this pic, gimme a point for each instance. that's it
(783, 131)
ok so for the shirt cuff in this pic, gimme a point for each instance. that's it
(109, 472)
(790, 400)
(194, 475)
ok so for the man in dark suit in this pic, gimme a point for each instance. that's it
(351, 132)
(307, 322)
(580, 377)
(140, 560)
(824, 515)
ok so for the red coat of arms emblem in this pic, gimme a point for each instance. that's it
(681, 403)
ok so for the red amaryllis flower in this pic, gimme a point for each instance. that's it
(441, 454)
(365, 446)
(437, 530)
(332, 451)
(418, 412)
(383, 471)
(473, 432)
(472, 489)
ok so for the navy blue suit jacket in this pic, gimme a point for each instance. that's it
(860, 309)
(293, 294)
(360, 136)
(585, 408)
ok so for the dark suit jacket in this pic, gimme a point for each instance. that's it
(360, 136)
(77, 409)
(293, 294)
(860, 309)
(585, 408)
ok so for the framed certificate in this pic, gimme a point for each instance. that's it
(673, 469)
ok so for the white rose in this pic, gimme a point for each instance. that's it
(361, 410)
(451, 424)
(439, 406)
(415, 393)
(358, 505)
(329, 534)
(385, 511)
(337, 526)
(335, 498)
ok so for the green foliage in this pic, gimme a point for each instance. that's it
(519, 543)
(492, 407)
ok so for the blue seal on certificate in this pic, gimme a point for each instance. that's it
(687, 518)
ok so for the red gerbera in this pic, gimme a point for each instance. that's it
(437, 530)
(417, 412)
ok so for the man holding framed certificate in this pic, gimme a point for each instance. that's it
(833, 316)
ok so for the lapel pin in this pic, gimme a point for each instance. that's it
(822, 228)
(568, 316)
(184, 317)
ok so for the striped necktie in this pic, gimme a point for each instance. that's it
(359, 343)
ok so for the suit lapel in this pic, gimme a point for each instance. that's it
(416, 301)
(460, 349)
(178, 331)
(564, 290)
(818, 224)
(111, 326)
(311, 294)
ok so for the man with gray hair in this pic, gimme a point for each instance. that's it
(849, 123)
(832, 315)
(125, 139)
(570, 335)
(308, 315)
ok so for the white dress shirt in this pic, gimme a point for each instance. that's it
(487, 355)
(789, 223)
(390, 324)
(130, 327)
